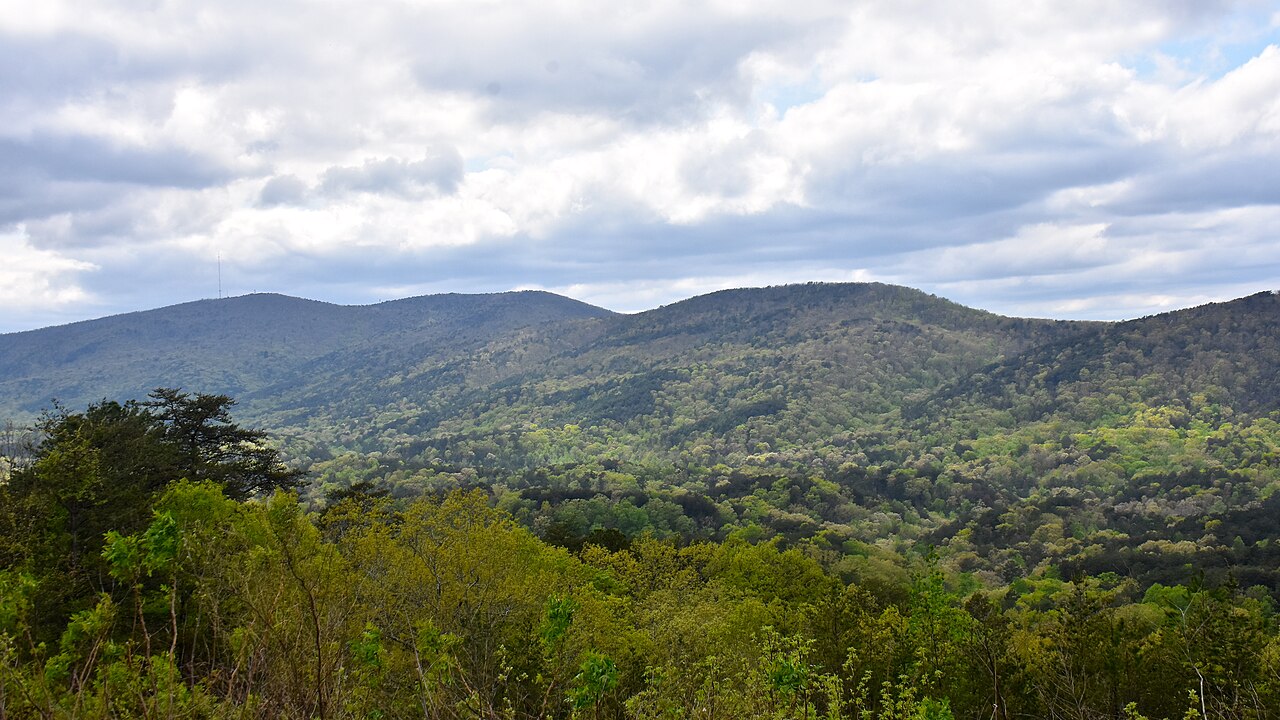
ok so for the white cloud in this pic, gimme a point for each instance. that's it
(32, 279)
(1041, 249)
(1240, 108)
(1130, 269)
(439, 170)
(992, 148)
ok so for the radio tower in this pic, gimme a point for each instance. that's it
(219, 276)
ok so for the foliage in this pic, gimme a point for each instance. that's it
(93, 478)
(826, 502)
(444, 607)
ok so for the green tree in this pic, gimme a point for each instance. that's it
(102, 470)
(209, 446)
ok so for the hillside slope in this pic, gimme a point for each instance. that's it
(859, 418)
(722, 376)
(241, 345)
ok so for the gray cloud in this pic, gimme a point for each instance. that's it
(657, 67)
(25, 197)
(35, 69)
(1235, 179)
(439, 171)
(83, 158)
(283, 190)
(1015, 157)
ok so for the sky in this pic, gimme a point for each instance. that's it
(1091, 159)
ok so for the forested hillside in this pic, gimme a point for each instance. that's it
(716, 378)
(244, 344)
(869, 418)
(863, 416)
(442, 607)
(807, 501)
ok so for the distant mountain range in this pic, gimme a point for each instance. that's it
(244, 345)
(739, 371)
(864, 420)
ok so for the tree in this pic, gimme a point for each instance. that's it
(209, 446)
(91, 472)
(103, 469)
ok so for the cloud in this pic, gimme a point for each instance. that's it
(1036, 250)
(1026, 157)
(283, 190)
(35, 280)
(645, 64)
(438, 171)
(1125, 265)
(89, 159)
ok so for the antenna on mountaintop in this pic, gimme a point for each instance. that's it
(219, 276)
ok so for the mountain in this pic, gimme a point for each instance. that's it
(240, 345)
(731, 373)
(861, 419)
(434, 364)
(779, 370)
(1222, 352)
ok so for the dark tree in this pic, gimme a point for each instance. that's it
(102, 469)
(209, 446)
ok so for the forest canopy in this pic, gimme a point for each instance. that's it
(849, 501)
(162, 580)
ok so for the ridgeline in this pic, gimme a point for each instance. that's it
(852, 500)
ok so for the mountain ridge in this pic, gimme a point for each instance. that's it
(206, 302)
(555, 359)
(236, 345)
(863, 416)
